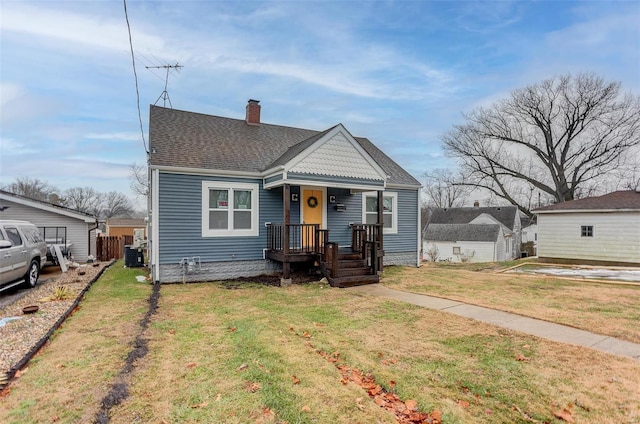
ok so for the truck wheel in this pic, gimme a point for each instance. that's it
(31, 277)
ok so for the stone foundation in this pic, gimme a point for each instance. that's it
(213, 271)
(400, 258)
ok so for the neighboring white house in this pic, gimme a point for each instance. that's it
(464, 243)
(478, 234)
(58, 224)
(594, 229)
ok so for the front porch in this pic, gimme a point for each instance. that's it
(357, 264)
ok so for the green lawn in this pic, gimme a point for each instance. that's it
(262, 354)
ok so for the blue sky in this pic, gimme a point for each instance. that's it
(398, 72)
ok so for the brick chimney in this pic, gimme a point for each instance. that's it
(253, 112)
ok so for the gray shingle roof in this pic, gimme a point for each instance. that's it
(625, 199)
(194, 140)
(504, 214)
(462, 232)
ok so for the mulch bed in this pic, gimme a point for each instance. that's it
(21, 338)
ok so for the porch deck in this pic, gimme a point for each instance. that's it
(361, 263)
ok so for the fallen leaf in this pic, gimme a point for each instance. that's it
(564, 414)
(253, 387)
(218, 397)
(526, 347)
(296, 380)
(412, 405)
(305, 408)
(521, 357)
(306, 334)
(233, 329)
(200, 405)
(463, 403)
(242, 367)
(488, 411)
(292, 329)
(191, 365)
(392, 384)
(172, 331)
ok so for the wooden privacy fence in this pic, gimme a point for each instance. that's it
(112, 247)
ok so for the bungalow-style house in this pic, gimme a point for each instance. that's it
(232, 197)
(603, 229)
(477, 234)
(118, 227)
(73, 231)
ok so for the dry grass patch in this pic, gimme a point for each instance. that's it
(612, 310)
(230, 356)
(66, 381)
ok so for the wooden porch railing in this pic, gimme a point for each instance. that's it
(367, 239)
(295, 238)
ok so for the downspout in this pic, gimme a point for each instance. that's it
(89, 238)
(419, 258)
(154, 222)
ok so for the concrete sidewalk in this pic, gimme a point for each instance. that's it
(543, 329)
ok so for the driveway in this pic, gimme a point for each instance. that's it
(47, 273)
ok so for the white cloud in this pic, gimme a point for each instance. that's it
(62, 27)
(114, 136)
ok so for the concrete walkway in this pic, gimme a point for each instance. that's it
(543, 329)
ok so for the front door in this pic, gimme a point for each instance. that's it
(312, 207)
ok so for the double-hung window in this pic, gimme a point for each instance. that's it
(389, 210)
(229, 209)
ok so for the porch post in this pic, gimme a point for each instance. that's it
(380, 247)
(286, 205)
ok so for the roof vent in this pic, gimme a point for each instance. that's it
(253, 112)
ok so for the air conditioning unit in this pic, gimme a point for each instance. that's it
(138, 238)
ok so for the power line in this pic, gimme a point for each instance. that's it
(135, 74)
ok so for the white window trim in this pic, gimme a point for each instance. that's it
(224, 185)
(394, 213)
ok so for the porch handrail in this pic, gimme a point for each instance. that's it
(361, 233)
(302, 238)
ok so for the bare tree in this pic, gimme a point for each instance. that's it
(84, 199)
(560, 136)
(138, 179)
(33, 188)
(442, 190)
(116, 204)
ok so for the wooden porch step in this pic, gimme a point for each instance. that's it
(344, 256)
(351, 281)
(352, 263)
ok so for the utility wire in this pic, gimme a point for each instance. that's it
(135, 74)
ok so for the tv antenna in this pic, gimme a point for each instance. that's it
(165, 94)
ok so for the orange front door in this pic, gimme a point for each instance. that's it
(312, 207)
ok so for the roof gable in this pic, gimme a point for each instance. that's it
(505, 215)
(49, 207)
(336, 153)
(616, 201)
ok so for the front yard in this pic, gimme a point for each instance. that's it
(609, 309)
(259, 354)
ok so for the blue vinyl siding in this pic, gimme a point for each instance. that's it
(407, 238)
(180, 220)
(338, 222)
(180, 216)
